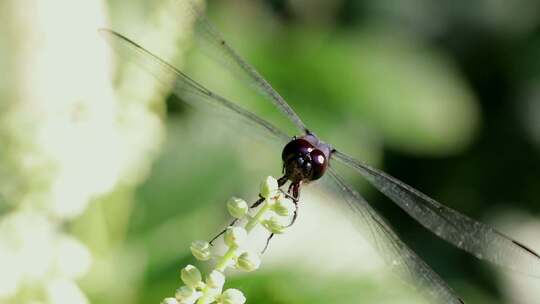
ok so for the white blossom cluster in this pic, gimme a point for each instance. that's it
(33, 251)
(272, 214)
(67, 138)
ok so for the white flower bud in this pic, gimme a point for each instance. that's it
(187, 295)
(248, 261)
(191, 276)
(169, 301)
(184, 292)
(273, 225)
(215, 279)
(269, 187)
(235, 236)
(232, 296)
(201, 250)
(237, 207)
(283, 206)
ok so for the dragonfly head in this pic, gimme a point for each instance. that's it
(305, 159)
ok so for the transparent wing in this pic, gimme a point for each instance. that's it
(184, 86)
(214, 43)
(479, 239)
(402, 260)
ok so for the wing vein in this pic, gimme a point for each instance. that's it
(481, 240)
(183, 85)
(208, 32)
(403, 261)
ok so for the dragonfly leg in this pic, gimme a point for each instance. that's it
(254, 205)
(257, 203)
(222, 232)
(292, 193)
(295, 189)
(282, 180)
(267, 242)
(289, 190)
(295, 215)
(289, 196)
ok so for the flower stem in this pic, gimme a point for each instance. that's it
(222, 263)
(204, 299)
(209, 291)
(257, 218)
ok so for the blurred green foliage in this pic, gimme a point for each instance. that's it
(442, 95)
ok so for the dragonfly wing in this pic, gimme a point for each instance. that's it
(222, 52)
(402, 260)
(481, 240)
(184, 86)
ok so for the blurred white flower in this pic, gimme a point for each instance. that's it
(62, 291)
(74, 140)
(26, 244)
(11, 274)
(169, 301)
(33, 250)
(73, 259)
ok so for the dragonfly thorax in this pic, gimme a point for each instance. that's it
(305, 159)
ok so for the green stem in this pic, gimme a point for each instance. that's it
(231, 253)
(224, 261)
(204, 298)
(257, 218)
(222, 264)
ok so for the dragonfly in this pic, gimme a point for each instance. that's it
(306, 158)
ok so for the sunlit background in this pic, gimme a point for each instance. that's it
(105, 178)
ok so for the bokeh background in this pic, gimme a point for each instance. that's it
(105, 178)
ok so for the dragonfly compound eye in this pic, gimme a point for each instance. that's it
(303, 161)
(318, 163)
(300, 162)
(307, 167)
